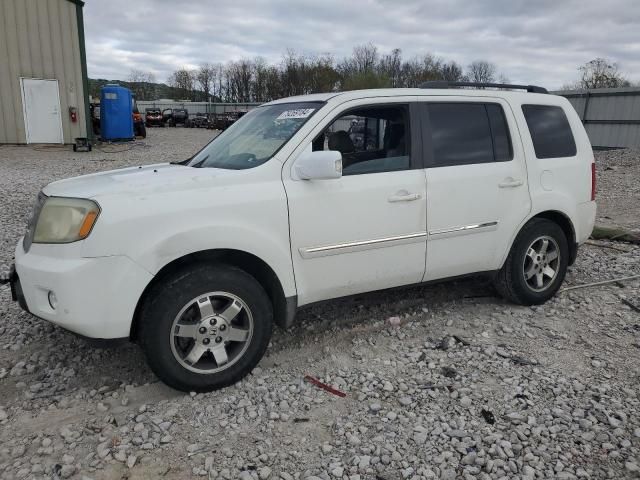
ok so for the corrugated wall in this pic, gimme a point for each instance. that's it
(611, 116)
(39, 39)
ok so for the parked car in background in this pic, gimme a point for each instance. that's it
(166, 117)
(212, 120)
(179, 116)
(153, 117)
(139, 128)
(198, 121)
(222, 121)
(172, 117)
(183, 260)
(219, 121)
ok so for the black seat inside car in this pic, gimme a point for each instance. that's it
(394, 140)
(341, 141)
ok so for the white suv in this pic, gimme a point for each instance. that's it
(307, 199)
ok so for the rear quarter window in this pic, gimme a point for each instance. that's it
(550, 131)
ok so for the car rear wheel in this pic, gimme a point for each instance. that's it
(205, 327)
(536, 265)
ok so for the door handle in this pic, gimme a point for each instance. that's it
(510, 182)
(404, 196)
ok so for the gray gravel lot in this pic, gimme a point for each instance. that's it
(466, 386)
(618, 185)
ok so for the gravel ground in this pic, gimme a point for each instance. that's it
(446, 381)
(618, 185)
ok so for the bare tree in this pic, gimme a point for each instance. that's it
(184, 80)
(481, 71)
(418, 70)
(322, 76)
(391, 66)
(364, 57)
(239, 76)
(360, 69)
(294, 68)
(259, 83)
(218, 90)
(601, 73)
(452, 72)
(298, 74)
(142, 84)
(206, 78)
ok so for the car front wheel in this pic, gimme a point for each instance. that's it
(205, 327)
(536, 265)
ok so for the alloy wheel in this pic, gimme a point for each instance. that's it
(541, 263)
(211, 332)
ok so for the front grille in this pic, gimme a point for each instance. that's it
(33, 221)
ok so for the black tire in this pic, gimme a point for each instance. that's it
(167, 299)
(511, 283)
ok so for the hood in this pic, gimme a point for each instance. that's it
(136, 181)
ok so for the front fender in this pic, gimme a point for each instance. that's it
(235, 237)
(168, 219)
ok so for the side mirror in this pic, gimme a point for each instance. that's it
(320, 165)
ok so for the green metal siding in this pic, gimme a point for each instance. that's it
(41, 39)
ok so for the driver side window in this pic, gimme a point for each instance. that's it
(371, 139)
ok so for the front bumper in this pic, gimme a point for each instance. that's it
(95, 297)
(16, 289)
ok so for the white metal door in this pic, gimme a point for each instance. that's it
(41, 107)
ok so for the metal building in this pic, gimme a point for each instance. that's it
(43, 72)
(611, 116)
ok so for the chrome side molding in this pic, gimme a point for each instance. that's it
(465, 230)
(337, 249)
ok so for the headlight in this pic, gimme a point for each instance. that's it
(65, 220)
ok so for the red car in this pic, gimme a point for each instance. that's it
(153, 117)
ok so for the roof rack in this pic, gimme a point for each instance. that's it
(447, 84)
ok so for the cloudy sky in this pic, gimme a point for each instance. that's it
(531, 41)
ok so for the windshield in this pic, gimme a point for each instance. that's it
(255, 137)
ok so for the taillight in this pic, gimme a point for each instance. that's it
(593, 181)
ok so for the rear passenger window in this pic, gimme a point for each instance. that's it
(550, 131)
(467, 133)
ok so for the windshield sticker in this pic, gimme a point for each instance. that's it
(298, 113)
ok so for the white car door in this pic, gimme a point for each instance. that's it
(477, 192)
(366, 230)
